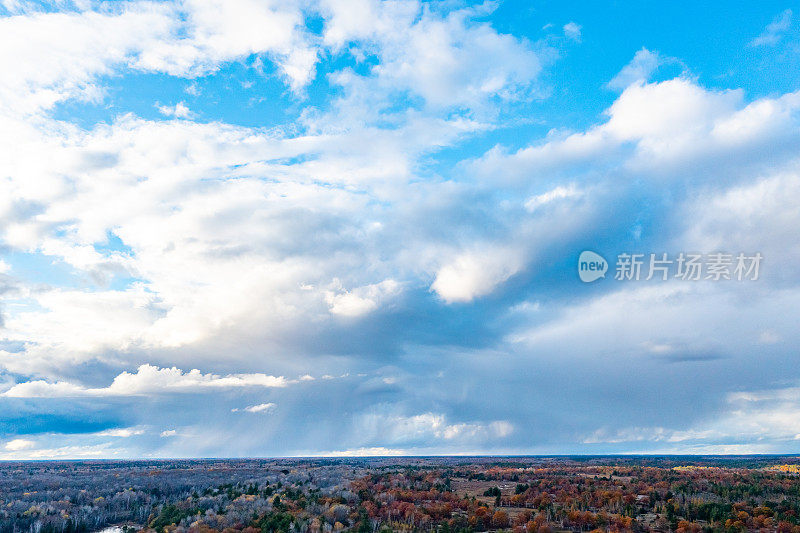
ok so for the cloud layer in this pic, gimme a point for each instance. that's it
(379, 257)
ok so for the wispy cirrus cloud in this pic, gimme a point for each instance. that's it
(258, 408)
(775, 30)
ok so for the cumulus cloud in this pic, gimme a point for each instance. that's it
(270, 283)
(148, 379)
(690, 125)
(178, 110)
(196, 270)
(374, 233)
(463, 70)
(476, 273)
(49, 57)
(69, 50)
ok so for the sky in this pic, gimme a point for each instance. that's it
(349, 227)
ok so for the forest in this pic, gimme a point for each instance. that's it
(370, 495)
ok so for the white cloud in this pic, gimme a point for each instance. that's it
(68, 320)
(573, 31)
(775, 30)
(497, 429)
(476, 273)
(558, 193)
(148, 379)
(120, 432)
(448, 61)
(179, 110)
(204, 266)
(219, 31)
(375, 451)
(658, 131)
(169, 433)
(62, 452)
(17, 445)
(175, 192)
(639, 70)
(772, 415)
(758, 216)
(49, 57)
(398, 429)
(686, 315)
(361, 300)
(683, 108)
(259, 408)
(268, 246)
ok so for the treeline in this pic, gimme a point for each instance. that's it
(432, 495)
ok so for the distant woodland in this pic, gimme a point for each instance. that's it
(437, 495)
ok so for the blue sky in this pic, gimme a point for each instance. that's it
(247, 228)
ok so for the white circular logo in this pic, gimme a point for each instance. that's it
(591, 266)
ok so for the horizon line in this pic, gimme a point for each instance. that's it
(368, 457)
